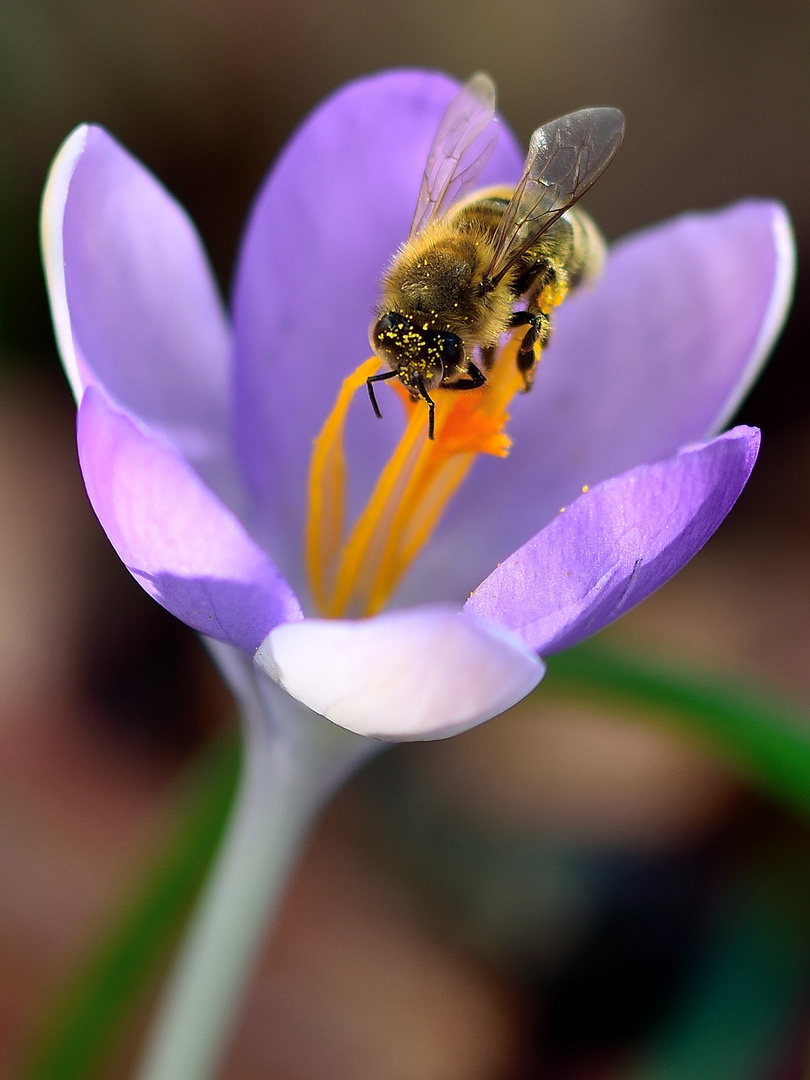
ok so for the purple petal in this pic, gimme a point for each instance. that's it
(424, 673)
(330, 216)
(656, 355)
(181, 543)
(135, 305)
(616, 544)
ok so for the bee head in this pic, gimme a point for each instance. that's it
(418, 354)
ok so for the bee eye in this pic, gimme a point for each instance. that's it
(386, 335)
(450, 349)
(388, 322)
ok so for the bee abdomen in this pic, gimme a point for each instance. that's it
(587, 252)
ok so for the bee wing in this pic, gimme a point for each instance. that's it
(461, 148)
(565, 158)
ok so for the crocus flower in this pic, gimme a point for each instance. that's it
(400, 596)
(345, 567)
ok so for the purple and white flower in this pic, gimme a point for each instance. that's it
(196, 427)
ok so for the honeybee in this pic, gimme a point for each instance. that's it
(477, 265)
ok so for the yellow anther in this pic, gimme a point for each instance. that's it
(327, 488)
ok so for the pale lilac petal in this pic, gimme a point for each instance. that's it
(616, 544)
(651, 358)
(333, 211)
(135, 305)
(425, 673)
(173, 534)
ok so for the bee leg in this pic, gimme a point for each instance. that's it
(473, 379)
(370, 387)
(431, 404)
(535, 338)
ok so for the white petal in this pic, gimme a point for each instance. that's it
(423, 673)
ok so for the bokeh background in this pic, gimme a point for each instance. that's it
(544, 896)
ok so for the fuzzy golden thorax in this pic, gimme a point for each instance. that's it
(435, 282)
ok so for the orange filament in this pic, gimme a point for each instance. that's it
(357, 575)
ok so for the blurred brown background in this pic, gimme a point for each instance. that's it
(382, 966)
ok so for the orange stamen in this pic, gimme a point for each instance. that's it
(358, 575)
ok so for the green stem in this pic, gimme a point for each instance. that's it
(293, 761)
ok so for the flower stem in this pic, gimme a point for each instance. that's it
(293, 761)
